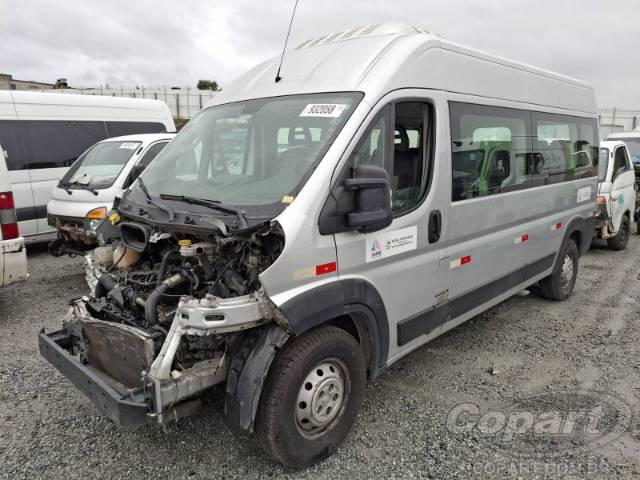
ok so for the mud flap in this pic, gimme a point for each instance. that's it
(248, 370)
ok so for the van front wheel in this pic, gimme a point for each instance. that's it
(311, 396)
(559, 285)
(620, 241)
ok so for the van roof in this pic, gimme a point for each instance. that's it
(141, 137)
(51, 98)
(376, 59)
(632, 134)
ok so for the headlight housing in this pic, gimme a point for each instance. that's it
(94, 218)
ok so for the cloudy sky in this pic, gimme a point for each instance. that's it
(161, 42)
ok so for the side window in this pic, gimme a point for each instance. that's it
(620, 161)
(116, 129)
(565, 148)
(11, 146)
(55, 144)
(489, 150)
(400, 140)
(153, 151)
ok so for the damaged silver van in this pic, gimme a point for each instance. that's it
(303, 233)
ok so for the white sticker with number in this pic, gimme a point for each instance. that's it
(331, 110)
(129, 145)
(584, 194)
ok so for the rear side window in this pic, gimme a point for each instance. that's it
(55, 144)
(116, 129)
(489, 150)
(565, 148)
(12, 146)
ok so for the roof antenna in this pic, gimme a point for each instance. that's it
(286, 40)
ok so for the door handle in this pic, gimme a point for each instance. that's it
(435, 226)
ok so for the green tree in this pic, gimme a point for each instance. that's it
(207, 85)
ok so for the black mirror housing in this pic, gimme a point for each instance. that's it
(360, 200)
(372, 198)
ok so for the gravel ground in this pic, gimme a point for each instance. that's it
(515, 355)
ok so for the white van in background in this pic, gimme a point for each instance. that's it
(85, 194)
(13, 255)
(44, 133)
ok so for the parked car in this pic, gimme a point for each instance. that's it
(44, 133)
(13, 254)
(337, 243)
(616, 198)
(86, 193)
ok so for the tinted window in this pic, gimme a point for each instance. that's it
(53, 144)
(150, 154)
(403, 153)
(565, 147)
(489, 150)
(10, 141)
(116, 129)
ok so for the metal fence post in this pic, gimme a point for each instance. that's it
(177, 105)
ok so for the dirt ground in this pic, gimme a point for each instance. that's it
(527, 355)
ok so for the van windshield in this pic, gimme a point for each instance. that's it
(99, 166)
(254, 152)
(603, 164)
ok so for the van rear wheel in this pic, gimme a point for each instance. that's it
(620, 241)
(559, 285)
(311, 397)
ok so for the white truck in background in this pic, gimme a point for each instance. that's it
(13, 255)
(616, 194)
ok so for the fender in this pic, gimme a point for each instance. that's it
(248, 369)
(343, 297)
(585, 226)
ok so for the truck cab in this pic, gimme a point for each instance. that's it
(616, 194)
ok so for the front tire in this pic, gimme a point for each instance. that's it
(311, 397)
(620, 241)
(559, 285)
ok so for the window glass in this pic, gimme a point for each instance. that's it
(116, 129)
(633, 144)
(99, 166)
(10, 142)
(603, 164)
(54, 144)
(151, 153)
(405, 159)
(565, 148)
(489, 150)
(620, 161)
(239, 153)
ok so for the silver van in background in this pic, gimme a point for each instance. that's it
(307, 230)
(86, 193)
(44, 133)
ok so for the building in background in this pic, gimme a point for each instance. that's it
(7, 82)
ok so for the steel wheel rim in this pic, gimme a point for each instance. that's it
(567, 271)
(322, 398)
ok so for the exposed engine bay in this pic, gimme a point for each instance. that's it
(166, 308)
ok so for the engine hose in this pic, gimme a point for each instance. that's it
(153, 300)
(163, 266)
(105, 284)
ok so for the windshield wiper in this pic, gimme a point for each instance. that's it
(241, 219)
(75, 183)
(65, 187)
(151, 201)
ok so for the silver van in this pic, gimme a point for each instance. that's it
(85, 194)
(306, 231)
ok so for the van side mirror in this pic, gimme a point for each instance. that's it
(372, 198)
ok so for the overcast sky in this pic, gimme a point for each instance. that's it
(161, 42)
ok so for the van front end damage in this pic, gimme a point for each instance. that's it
(165, 321)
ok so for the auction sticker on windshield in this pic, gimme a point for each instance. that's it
(129, 145)
(331, 110)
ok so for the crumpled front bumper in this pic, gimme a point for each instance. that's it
(129, 411)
